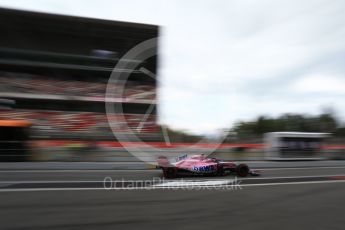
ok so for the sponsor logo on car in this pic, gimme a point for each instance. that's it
(206, 168)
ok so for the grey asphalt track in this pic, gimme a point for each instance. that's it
(286, 204)
(313, 206)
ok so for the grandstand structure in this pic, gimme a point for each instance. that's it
(56, 69)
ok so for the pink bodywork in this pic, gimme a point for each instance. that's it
(197, 163)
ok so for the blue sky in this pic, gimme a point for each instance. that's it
(229, 60)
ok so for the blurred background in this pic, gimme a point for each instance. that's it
(260, 83)
(215, 80)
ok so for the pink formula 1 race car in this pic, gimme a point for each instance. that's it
(203, 166)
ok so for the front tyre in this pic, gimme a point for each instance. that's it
(242, 170)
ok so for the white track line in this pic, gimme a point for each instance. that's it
(305, 168)
(50, 189)
(294, 183)
(168, 181)
(162, 188)
(288, 177)
(74, 170)
(47, 181)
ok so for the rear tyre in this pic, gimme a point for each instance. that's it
(242, 170)
(169, 173)
(220, 171)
